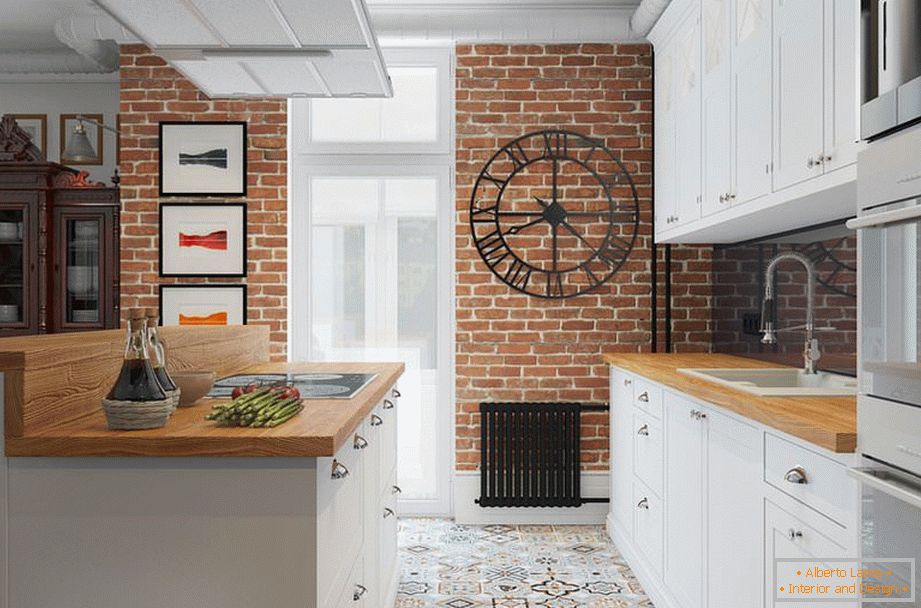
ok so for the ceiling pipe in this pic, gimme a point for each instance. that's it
(95, 40)
(646, 15)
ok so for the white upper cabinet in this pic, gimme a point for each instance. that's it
(841, 102)
(798, 91)
(751, 92)
(717, 135)
(775, 83)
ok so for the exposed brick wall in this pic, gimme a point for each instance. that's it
(152, 92)
(513, 347)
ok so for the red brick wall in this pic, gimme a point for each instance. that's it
(152, 92)
(513, 347)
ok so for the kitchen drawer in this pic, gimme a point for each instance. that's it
(811, 478)
(339, 519)
(648, 397)
(648, 450)
(648, 525)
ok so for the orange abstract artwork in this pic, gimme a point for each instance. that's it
(217, 318)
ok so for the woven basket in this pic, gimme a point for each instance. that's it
(134, 415)
(174, 397)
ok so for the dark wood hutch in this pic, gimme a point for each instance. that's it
(59, 243)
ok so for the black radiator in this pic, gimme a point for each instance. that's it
(530, 454)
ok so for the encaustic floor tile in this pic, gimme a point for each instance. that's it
(448, 565)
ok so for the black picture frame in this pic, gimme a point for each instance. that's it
(166, 191)
(237, 286)
(241, 273)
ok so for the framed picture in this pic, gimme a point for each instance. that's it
(203, 239)
(203, 305)
(93, 133)
(202, 158)
(36, 125)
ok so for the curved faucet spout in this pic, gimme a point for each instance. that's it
(811, 352)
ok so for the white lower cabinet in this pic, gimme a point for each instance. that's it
(708, 536)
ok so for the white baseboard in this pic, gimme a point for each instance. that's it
(649, 580)
(467, 489)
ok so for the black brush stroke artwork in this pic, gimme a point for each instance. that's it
(212, 158)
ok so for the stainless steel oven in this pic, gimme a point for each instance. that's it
(889, 353)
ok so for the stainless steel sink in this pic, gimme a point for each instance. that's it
(778, 381)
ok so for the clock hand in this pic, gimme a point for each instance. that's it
(555, 170)
(542, 203)
(555, 226)
(519, 228)
(577, 235)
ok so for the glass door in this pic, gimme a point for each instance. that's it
(80, 299)
(16, 287)
(380, 289)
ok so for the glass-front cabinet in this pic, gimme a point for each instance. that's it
(58, 250)
(18, 289)
(82, 266)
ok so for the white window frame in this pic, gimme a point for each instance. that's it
(439, 57)
(410, 159)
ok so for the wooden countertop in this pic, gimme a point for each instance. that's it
(829, 422)
(319, 430)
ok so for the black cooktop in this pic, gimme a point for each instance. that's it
(311, 386)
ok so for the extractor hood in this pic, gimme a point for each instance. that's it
(263, 48)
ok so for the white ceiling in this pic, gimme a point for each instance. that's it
(28, 25)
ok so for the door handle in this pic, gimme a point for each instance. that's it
(388, 404)
(376, 420)
(340, 471)
(643, 504)
(644, 397)
(388, 512)
(643, 430)
(796, 475)
(395, 393)
(360, 590)
(360, 442)
(793, 535)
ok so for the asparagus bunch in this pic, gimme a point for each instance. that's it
(264, 407)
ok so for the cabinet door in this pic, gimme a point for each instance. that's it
(798, 91)
(621, 438)
(841, 96)
(751, 89)
(684, 517)
(788, 537)
(666, 184)
(733, 513)
(19, 289)
(687, 124)
(83, 269)
(716, 106)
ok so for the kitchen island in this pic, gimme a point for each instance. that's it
(192, 514)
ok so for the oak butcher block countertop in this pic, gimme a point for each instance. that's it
(829, 422)
(53, 386)
(318, 430)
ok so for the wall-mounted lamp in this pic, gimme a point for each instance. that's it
(79, 149)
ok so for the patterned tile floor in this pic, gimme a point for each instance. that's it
(447, 565)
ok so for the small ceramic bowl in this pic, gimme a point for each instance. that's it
(193, 385)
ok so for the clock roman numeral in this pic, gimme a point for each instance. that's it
(495, 180)
(484, 215)
(493, 248)
(517, 154)
(556, 145)
(554, 285)
(517, 275)
(614, 254)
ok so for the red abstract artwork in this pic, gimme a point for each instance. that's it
(216, 240)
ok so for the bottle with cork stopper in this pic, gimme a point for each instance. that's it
(157, 349)
(137, 380)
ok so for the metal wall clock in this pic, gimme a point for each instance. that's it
(554, 214)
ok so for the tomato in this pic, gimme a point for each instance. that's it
(250, 388)
(237, 392)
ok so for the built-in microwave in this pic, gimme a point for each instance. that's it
(891, 65)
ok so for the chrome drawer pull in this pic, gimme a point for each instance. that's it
(339, 470)
(360, 442)
(644, 397)
(395, 393)
(360, 590)
(388, 513)
(643, 430)
(396, 490)
(388, 404)
(643, 504)
(793, 535)
(796, 475)
(376, 420)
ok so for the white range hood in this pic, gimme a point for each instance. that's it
(263, 48)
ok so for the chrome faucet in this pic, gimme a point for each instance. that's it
(811, 351)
